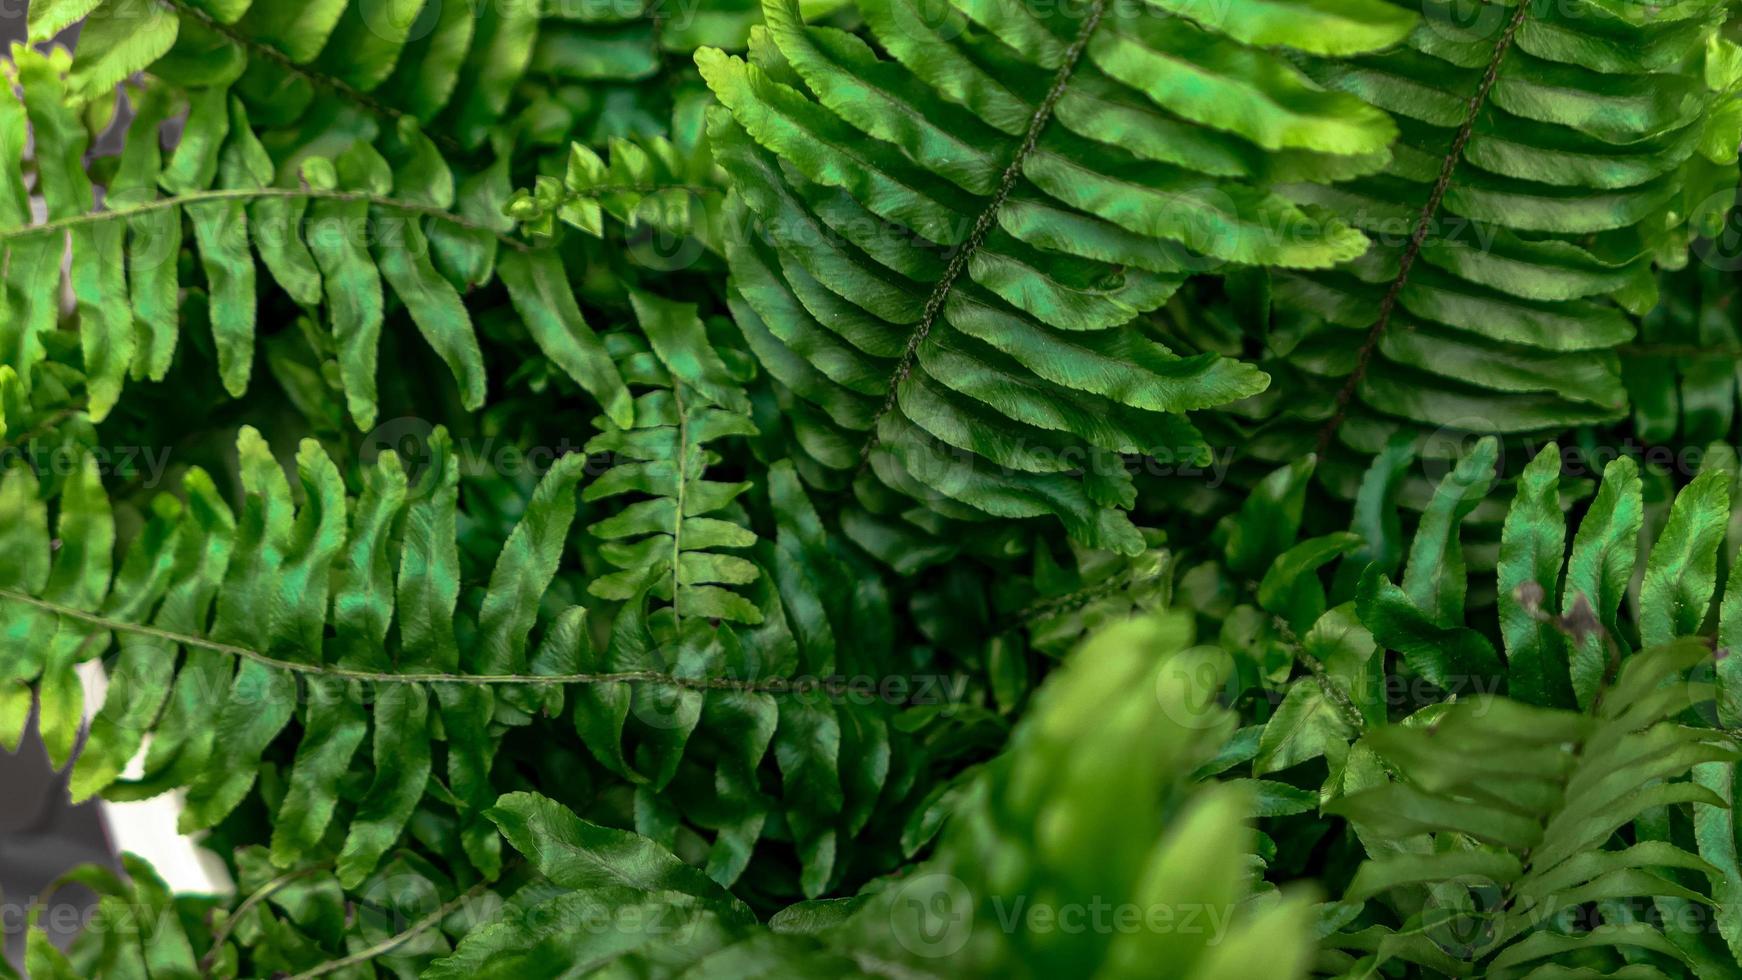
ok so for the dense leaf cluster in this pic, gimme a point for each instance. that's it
(893, 488)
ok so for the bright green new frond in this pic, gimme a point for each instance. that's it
(669, 187)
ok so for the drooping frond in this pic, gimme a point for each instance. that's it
(949, 251)
(222, 619)
(287, 175)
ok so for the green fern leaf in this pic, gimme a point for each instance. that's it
(238, 193)
(1519, 824)
(669, 544)
(984, 356)
(242, 600)
(1519, 222)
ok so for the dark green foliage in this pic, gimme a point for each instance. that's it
(900, 488)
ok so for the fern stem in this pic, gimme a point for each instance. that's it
(934, 304)
(261, 894)
(338, 85)
(396, 940)
(1423, 223)
(773, 685)
(1333, 692)
(646, 188)
(256, 193)
(1073, 601)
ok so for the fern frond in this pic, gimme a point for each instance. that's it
(1565, 633)
(392, 62)
(221, 620)
(1503, 818)
(837, 748)
(220, 177)
(953, 248)
(1550, 157)
(668, 544)
(1562, 625)
(671, 187)
(343, 221)
(241, 635)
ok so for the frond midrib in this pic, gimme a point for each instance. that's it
(193, 198)
(771, 686)
(1424, 222)
(934, 303)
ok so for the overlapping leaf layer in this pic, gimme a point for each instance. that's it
(882, 488)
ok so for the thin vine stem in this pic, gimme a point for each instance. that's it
(1072, 601)
(1339, 699)
(773, 685)
(256, 193)
(45, 426)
